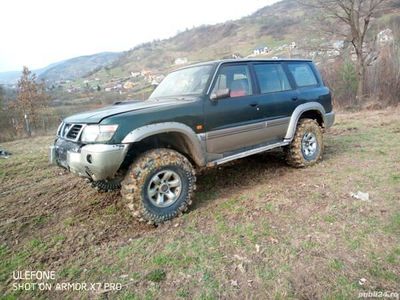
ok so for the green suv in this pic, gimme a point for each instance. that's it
(199, 116)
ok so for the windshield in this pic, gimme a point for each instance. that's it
(189, 81)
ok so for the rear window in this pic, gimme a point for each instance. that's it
(271, 78)
(303, 74)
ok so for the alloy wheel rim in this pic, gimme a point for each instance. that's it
(309, 144)
(164, 188)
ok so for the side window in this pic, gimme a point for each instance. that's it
(236, 78)
(271, 78)
(303, 74)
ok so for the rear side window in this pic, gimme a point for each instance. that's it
(271, 78)
(302, 74)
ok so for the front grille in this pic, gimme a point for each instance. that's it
(70, 131)
(74, 131)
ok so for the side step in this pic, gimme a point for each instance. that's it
(246, 153)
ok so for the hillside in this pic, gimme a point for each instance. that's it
(285, 29)
(70, 69)
(270, 26)
(79, 66)
(11, 77)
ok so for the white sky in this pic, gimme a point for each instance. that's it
(36, 33)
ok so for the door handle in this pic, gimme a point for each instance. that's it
(295, 98)
(253, 104)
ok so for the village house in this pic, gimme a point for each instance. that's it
(338, 44)
(260, 50)
(129, 85)
(181, 61)
(135, 74)
(385, 36)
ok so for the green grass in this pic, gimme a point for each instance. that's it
(157, 275)
(258, 229)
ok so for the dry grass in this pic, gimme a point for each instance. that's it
(258, 229)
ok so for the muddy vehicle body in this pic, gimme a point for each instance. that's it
(199, 116)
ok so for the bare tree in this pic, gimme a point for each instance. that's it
(1, 97)
(31, 98)
(354, 16)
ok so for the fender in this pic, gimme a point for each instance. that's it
(294, 119)
(194, 143)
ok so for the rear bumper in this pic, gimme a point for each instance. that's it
(97, 161)
(329, 119)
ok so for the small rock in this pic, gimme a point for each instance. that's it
(234, 283)
(241, 258)
(124, 276)
(362, 281)
(257, 248)
(241, 268)
(360, 196)
(273, 240)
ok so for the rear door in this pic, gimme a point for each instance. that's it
(277, 98)
(236, 121)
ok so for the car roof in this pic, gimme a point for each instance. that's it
(244, 60)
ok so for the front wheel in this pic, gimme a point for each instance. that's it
(159, 185)
(307, 145)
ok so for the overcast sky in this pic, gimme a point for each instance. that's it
(36, 33)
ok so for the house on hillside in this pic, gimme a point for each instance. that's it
(181, 61)
(145, 72)
(385, 36)
(129, 85)
(338, 44)
(135, 74)
(260, 50)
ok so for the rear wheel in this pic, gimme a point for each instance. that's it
(159, 185)
(307, 145)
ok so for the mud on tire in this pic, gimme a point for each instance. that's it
(141, 176)
(307, 145)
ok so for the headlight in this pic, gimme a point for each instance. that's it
(98, 133)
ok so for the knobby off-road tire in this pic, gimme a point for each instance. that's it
(154, 175)
(307, 145)
(106, 185)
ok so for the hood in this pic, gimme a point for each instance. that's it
(96, 116)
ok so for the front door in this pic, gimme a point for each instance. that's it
(236, 121)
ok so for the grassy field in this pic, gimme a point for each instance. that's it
(258, 229)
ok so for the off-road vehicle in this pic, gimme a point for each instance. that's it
(199, 116)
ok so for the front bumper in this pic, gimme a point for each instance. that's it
(95, 161)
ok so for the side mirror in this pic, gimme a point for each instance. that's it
(220, 94)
